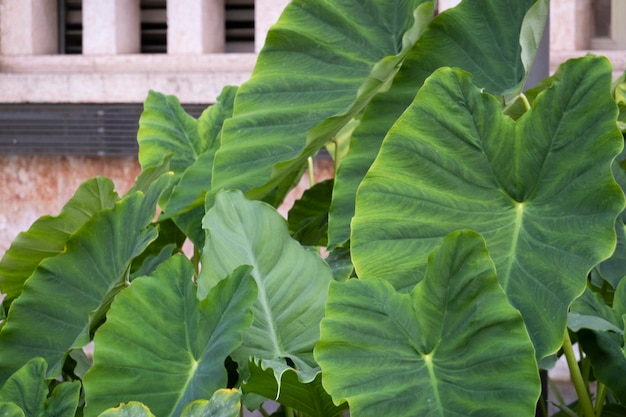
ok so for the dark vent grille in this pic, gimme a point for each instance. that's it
(73, 129)
(239, 26)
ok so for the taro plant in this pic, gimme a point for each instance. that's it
(473, 233)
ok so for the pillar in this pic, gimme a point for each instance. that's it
(570, 25)
(266, 13)
(195, 26)
(28, 27)
(111, 27)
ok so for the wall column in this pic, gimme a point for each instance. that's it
(447, 4)
(195, 26)
(29, 27)
(618, 28)
(570, 23)
(266, 13)
(111, 27)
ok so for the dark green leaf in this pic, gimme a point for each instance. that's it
(452, 345)
(162, 346)
(546, 209)
(484, 38)
(308, 218)
(322, 62)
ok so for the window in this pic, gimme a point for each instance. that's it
(239, 26)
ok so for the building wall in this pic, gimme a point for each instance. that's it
(195, 69)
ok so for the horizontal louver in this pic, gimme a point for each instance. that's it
(239, 26)
(72, 129)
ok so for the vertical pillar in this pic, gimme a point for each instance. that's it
(570, 24)
(447, 4)
(266, 13)
(195, 26)
(618, 28)
(28, 27)
(111, 27)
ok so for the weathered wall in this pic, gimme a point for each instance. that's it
(31, 187)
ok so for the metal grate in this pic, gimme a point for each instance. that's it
(73, 129)
(239, 26)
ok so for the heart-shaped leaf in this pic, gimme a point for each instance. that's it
(292, 281)
(453, 343)
(162, 346)
(491, 39)
(539, 189)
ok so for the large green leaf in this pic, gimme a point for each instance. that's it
(309, 398)
(159, 328)
(322, 62)
(539, 189)
(67, 293)
(48, 235)
(483, 37)
(454, 346)
(27, 388)
(292, 281)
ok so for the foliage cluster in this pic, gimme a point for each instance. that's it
(471, 234)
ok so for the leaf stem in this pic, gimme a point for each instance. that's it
(289, 412)
(311, 171)
(600, 396)
(577, 378)
(525, 101)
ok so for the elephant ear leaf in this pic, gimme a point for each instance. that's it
(322, 62)
(432, 351)
(168, 331)
(546, 209)
(71, 291)
(495, 44)
(292, 281)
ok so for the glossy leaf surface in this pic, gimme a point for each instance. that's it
(546, 210)
(162, 346)
(450, 347)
